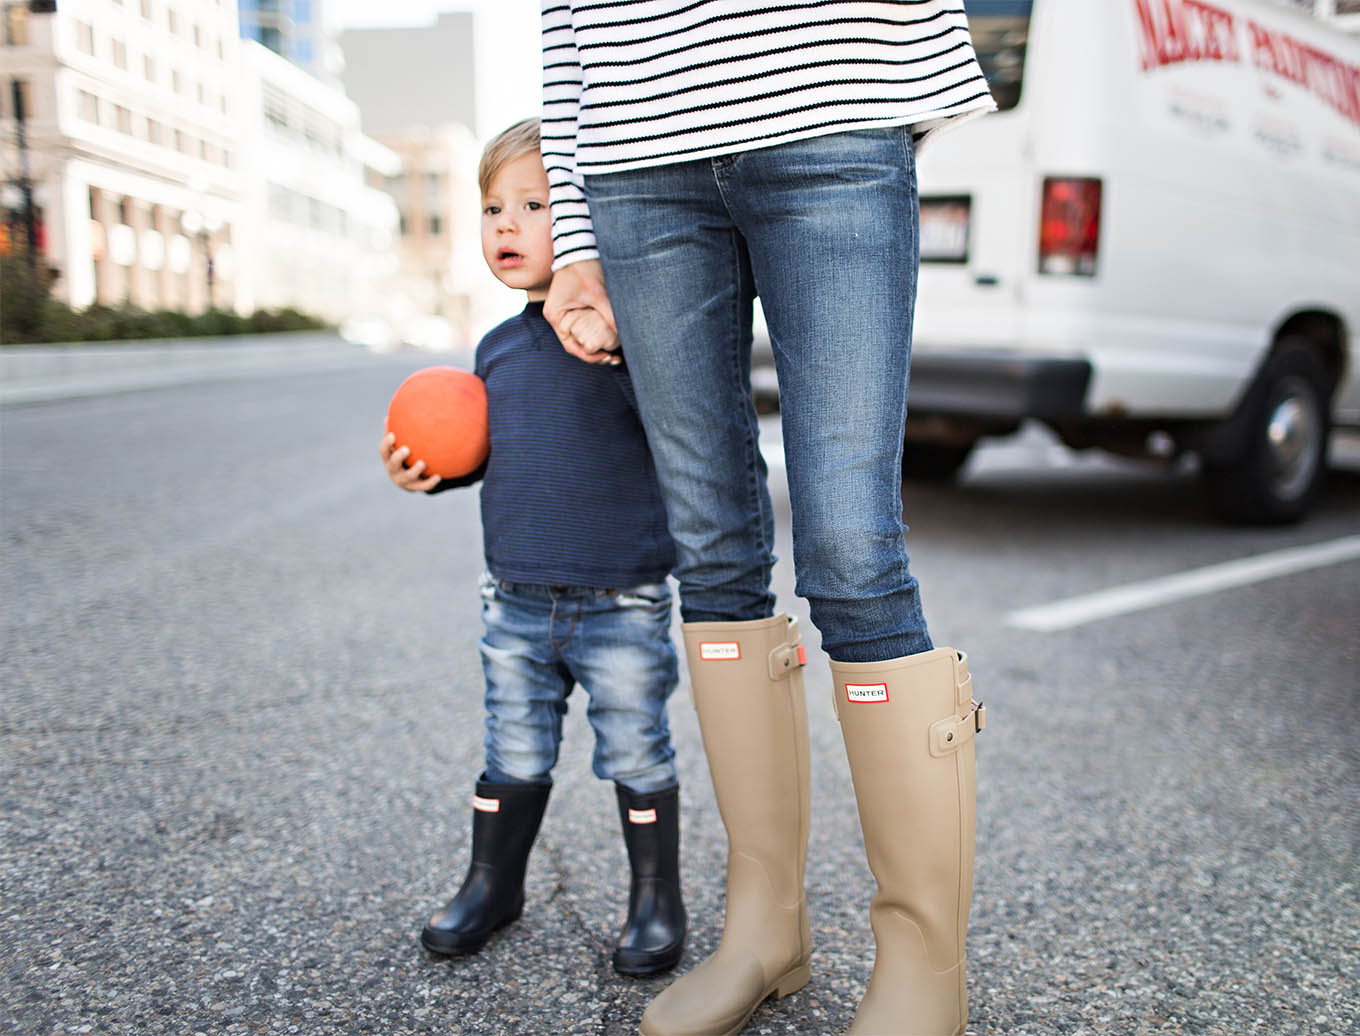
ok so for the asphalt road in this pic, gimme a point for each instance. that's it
(241, 719)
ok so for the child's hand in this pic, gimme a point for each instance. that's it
(412, 479)
(595, 333)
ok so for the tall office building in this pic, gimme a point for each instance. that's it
(293, 29)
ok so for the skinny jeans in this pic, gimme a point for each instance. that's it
(824, 231)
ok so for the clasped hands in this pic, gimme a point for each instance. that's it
(578, 309)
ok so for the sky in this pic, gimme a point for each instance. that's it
(508, 84)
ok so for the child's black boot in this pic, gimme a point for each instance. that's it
(653, 937)
(505, 821)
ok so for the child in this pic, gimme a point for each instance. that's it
(577, 554)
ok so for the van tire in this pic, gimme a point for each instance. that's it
(1287, 423)
(938, 462)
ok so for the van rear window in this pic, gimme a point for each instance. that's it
(1000, 33)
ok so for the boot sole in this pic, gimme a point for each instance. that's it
(466, 946)
(788, 983)
(641, 968)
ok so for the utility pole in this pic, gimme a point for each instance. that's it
(16, 90)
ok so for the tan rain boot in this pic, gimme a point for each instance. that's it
(908, 725)
(747, 679)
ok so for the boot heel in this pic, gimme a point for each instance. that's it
(793, 981)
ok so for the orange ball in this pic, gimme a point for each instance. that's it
(440, 413)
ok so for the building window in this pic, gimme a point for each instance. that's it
(174, 80)
(85, 38)
(153, 131)
(436, 225)
(276, 111)
(16, 26)
(146, 9)
(119, 54)
(149, 69)
(171, 22)
(89, 107)
(198, 36)
(122, 119)
(179, 140)
(403, 228)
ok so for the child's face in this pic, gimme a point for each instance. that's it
(516, 229)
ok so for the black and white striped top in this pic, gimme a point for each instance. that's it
(635, 83)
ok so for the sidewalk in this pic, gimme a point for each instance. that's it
(30, 374)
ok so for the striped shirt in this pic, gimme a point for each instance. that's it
(634, 83)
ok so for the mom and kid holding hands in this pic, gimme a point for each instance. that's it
(689, 158)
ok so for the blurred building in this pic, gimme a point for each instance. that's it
(319, 233)
(129, 113)
(293, 29)
(413, 76)
(416, 89)
(440, 236)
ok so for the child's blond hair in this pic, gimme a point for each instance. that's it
(520, 139)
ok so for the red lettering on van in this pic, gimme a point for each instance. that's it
(1175, 31)
(1327, 77)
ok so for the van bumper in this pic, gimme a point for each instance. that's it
(997, 385)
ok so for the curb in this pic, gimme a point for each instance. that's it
(30, 374)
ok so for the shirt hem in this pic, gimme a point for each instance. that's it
(933, 121)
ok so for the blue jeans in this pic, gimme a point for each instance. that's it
(825, 231)
(540, 641)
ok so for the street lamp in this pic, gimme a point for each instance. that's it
(202, 224)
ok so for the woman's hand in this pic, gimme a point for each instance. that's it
(580, 286)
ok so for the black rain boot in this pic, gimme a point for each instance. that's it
(505, 822)
(653, 937)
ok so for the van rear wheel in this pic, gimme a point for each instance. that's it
(927, 461)
(1288, 427)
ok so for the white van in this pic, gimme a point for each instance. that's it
(1154, 247)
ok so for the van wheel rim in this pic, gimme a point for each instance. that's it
(1293, 437)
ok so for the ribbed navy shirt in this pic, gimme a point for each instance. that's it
(569, 492)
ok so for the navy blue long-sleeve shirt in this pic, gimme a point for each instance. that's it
(569, 492)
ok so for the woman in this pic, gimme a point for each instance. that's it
(700, 155)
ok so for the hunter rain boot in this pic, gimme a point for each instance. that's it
(653, 937)
(747, 684)
(505, 821)
(908, 726)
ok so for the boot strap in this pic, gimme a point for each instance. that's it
(786, 658)
(950, 734)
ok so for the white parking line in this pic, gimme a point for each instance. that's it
(1084, 608)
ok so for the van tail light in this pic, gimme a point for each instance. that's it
(1069, 226)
